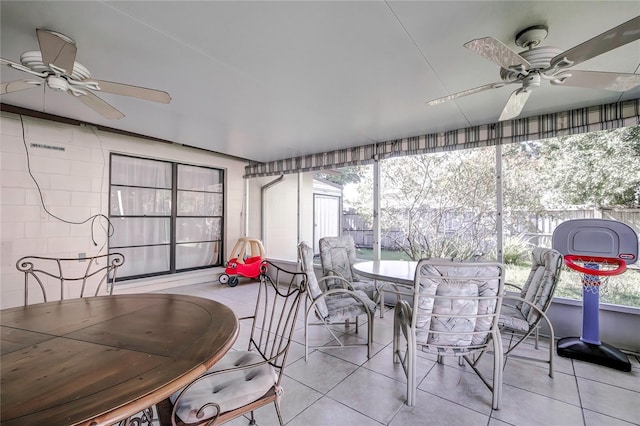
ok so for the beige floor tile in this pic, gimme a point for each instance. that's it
(596, 419)
(329, 412)
(433, 410)
(458, 385)
(628, 380)
(535, 379)
(383, 363)
(523, 408)
(610, 400)
(378, 396)
(322, 372)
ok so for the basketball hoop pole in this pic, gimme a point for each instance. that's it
(590, 310)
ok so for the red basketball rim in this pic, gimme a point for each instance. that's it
(570, 260)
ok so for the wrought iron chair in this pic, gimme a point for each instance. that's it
(521, 315)
(335, 305)
(243, 381)
(69, 278)
(455, 312)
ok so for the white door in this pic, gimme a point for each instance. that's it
(326, 218)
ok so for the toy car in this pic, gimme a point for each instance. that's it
(247, 260)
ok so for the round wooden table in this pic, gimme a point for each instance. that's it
(98, 360)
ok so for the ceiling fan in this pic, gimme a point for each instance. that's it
(538, 63)
(56, 64)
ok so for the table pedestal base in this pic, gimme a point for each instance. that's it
(602, 354)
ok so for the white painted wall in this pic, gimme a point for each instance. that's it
(282, 222)
(75, 186)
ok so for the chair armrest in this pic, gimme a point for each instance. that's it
(333, 272)
(513, 285)
(339, 282)
(534, 307)
(402, 318)
(351, 293)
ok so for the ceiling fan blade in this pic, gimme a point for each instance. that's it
(467, 92)
(514, 105)
(57, 49)
(609, 40)
(100, 106)
(134, 91)
(497, 52)
(17, 85)
(617, 82)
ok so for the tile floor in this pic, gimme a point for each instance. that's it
(342, 387)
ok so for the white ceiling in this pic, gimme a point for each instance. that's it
(272, 80)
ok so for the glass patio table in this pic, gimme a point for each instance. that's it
(390, 275)
(99, 360)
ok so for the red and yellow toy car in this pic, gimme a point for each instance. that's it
(247, 260)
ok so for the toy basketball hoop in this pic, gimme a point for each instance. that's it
(595, 271)
(597, 249)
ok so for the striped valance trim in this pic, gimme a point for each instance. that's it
(582, 120)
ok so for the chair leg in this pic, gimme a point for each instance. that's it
(552, 340)
(498, 364)
(396, 339)
(306, 337)
(411, 370)
(369, 333)
(253, 420)
(277, 412)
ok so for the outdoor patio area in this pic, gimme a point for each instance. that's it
(342, 387)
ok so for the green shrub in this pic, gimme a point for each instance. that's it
(516, 250)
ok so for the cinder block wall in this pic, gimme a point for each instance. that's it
(71, 165)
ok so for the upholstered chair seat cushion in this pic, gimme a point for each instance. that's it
(513, 318)
(342, 307)
(229, 390)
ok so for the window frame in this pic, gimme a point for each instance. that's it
(173, 217)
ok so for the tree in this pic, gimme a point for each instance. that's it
(440, 205)
(444, 204)
(343, 176)
(600, 169)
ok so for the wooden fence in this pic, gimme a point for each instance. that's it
(536, 227)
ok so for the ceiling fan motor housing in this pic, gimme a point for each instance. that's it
(539, 58)
(33, 60)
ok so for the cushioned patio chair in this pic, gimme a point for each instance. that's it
(455, 312)
(522, 314)
(69, 278)
(243, 381)
(337, 256)
(338, 304)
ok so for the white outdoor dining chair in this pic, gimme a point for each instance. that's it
(68, 278)
(336, 305)
(522, 314)
(243, 381)
(455, 312)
